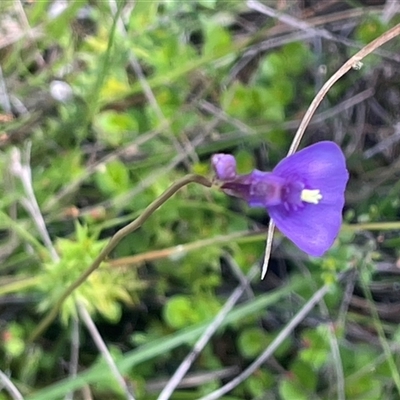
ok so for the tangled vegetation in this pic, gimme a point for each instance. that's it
(124, 271)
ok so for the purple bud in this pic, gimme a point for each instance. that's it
(224, 166)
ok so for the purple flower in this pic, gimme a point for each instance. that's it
(304, 194)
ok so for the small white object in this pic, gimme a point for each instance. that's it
(311, 196)
(61, 91)
(357, 65)
(57, 8)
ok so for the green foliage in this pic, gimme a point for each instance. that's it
(182, 311)
(250, 102)
(272, 87)
(370, 29)
(252, 341)
(292, 390)
(291, 60)
(13, 339)
(316, 351)
(216, 38)
(212, 81)
(259, 383)
(102, 292)
(300, 382)
(54, 176)
(115, 128)
(113, 178)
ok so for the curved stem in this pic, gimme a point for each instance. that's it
(137, 223)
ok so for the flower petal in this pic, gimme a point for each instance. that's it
(320, 166)
(314, 227)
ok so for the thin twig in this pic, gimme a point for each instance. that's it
(381, 333)
(113, 242)
(73, 363)
(353, 62)
(101, 346)
(384, 144)
(239, 237)
(28, 30)
(238, 274)
(336, 358)
(4, 97)
(392, 7)
(194, 379)
(287, 33)
(182, 249)
(284, 334)
(22, 170)
(122, 199)
(305, 26)
(11, 388)
(333, 342)
(206, 336)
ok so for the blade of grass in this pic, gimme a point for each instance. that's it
(21, 230)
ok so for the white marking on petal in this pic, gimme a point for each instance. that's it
(311, 196)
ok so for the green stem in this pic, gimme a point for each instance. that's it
(18, 285)
(137, 223)
(93, 98)
(22, 231)
(372, 226)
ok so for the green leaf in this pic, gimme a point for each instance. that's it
(208, 3)
(59, 25)
(178, 312)
(304, 375)
(145, 15)
(252, 341)
(316, 349)
(258, 383)
(115, 128)
(216, 38)
(13, 340)
(291, 390)
(113, 178)
(370, 29)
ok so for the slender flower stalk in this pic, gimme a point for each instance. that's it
(304, 194)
